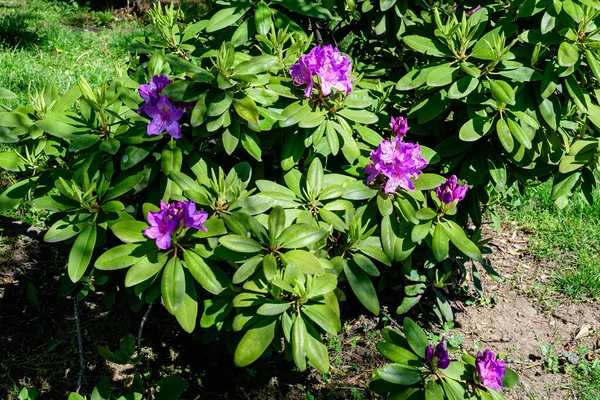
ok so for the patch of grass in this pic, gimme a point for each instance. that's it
(568, 238)
(47, 42)
(587, 379)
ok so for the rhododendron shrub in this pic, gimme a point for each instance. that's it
(257, 167)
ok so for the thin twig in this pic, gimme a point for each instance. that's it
(141, 330)
(396, 324)
(79, 344)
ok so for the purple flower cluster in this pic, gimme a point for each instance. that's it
(449, 192)
(399, 126)
(440, 354)
(332, 69)
(171, 217)
(490, 370)
(398, 161)
(165, 116)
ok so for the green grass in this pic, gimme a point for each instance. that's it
(568, 238)
(51, 42)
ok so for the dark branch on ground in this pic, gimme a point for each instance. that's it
(13, 226)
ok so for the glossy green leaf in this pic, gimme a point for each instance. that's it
(255, 342)
(461, 241)
(362, 287)
(81, 252)
(172, 285)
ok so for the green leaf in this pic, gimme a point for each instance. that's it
(568, 54)
(362, 287)
(145, 268)
(433, 391)
(299, 336)
(304, 261)
(425, 45)
(461, 241)
(257, 65)
(241, 244)
(219, 104)
(306, 7)
(475, 128)
(187, 313)
(510, 379)
(442, 76)
(396, 353)
(246, 270)
(171, 158)
(563, 185)
(255, 342)
(81, 253)
(67, 227)
(300, 235)
(202, 272)
(463, 87)
(118, 258)
(101, 390)
(416, 337)
(225, 18)
(453, 389)
(506, 138)
(316, 351)
(172, 285)
(129, 231)
(12, 195)
(428, 181)
(576, 93)
(518, 133)
(361, 116)
(263, 19)
(246, 108)
(294, 113)
(502, 92)
(357, 190)
(274, 307)
(593, 63)
(444, 307)
(171, 388)
(123, 186)
(322, 285)
(440, 243)
(407, 304)
(10, 161)
(400, 374)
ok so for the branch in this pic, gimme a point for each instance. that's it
(141, 330)
(393, 321)
(79, 344)
(11, 225)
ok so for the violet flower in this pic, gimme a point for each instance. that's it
(449, 192)
(440, 355)
(332, 69)
(161, 227)
(191, 217)
(150, 92)
(490, 370)
(398, 161)
(165, 116)
(399, 126)
(171, 218)
(471, 12)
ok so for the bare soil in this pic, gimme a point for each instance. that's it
(527, 315)
(38, 342)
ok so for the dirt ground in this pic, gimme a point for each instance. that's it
(527, 315)
(38, 342)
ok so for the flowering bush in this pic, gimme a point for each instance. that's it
(250, 179)
(421, 372)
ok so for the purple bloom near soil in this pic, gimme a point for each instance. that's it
(471, 12)
(448, 191)
(490, 370)
(399, 126)
(332, 69)
(170, 218)
(165, 116)
(398, 161)
(440, 355)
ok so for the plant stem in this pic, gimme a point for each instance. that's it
(79, 344)
(141, 330)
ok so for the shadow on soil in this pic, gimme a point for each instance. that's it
(38, 343)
